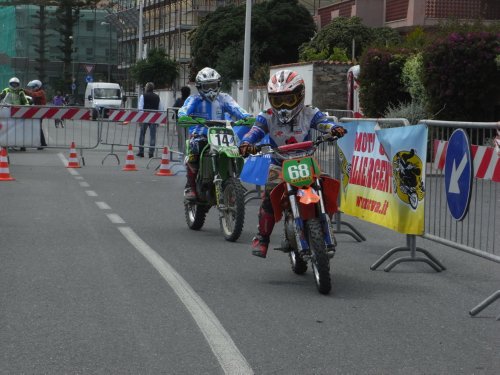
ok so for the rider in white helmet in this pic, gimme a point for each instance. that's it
(13, 94)
(210, 104)
(287, 121)
(35, 90)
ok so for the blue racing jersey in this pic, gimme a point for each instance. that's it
(223, 105)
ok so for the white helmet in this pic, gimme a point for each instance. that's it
(35, 84)
(208, 83)
(14, 83)
(286, 93)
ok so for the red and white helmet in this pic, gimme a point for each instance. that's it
(286, 93)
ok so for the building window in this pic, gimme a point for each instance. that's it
(89, 25)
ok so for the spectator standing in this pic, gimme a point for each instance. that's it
(58, 101)
(179, 102)
(35, 90)
(148, 101)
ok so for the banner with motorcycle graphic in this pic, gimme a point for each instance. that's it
(383, 175)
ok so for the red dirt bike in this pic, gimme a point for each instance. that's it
(306, 199)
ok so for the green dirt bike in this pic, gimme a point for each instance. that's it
(218, 182)
(306, 200)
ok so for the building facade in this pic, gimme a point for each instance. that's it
(401, 14)
(94, 47)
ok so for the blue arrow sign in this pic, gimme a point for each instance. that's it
(458, 174)
(89, 79)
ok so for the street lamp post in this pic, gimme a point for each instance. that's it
(109, 49)
(73, 79)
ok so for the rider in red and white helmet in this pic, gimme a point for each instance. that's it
(286, 93)
(287, 121)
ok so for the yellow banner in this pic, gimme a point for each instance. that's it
(384, 175)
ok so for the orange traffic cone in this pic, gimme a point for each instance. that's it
(130, 161)
(164, 169)
(73, 157)
(4, 166)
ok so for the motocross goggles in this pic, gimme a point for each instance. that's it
(14, 85)
(209, 86)
(288, 101)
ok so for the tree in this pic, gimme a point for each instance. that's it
(67, 15)
(279, 27)
(157, 68)
(41, 45)
(339, 35)
(461, 76)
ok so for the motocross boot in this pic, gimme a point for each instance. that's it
(190, 190)
(260, 242)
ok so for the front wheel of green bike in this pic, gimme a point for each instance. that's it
(232, 212)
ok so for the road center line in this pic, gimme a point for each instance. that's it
(115, 219)
(103, 205)
(226, 352)
(230, 358)
(84, 184)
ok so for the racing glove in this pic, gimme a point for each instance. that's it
(247, 149)
(338, 131)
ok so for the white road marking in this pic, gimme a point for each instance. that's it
(226, 352)
(103, 205)
(84, 184)
(223, 347)
(115, 219)
(78, 178)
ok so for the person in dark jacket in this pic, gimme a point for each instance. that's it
(179, 102)
(148, 101)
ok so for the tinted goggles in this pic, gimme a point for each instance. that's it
(209, 86)
(14, 84)
(289, 101)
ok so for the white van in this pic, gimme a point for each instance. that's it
(99, 95)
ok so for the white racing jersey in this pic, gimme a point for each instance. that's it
(298, 130)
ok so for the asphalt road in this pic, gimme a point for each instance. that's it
(99, 274)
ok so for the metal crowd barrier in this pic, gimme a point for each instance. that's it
(121, 127)
(29, 126)
(478, 233)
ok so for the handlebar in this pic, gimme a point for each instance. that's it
(306, 148)
(188, 121)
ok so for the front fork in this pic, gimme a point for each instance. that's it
(301, 241)
(217, 181)
(298, 223)
(325, 219)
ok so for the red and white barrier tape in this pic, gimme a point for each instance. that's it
(486, 160)
(32, 112)
(125, 115)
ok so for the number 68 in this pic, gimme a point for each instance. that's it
(298, 171)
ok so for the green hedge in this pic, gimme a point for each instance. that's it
(461, 76)
(380, 80)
